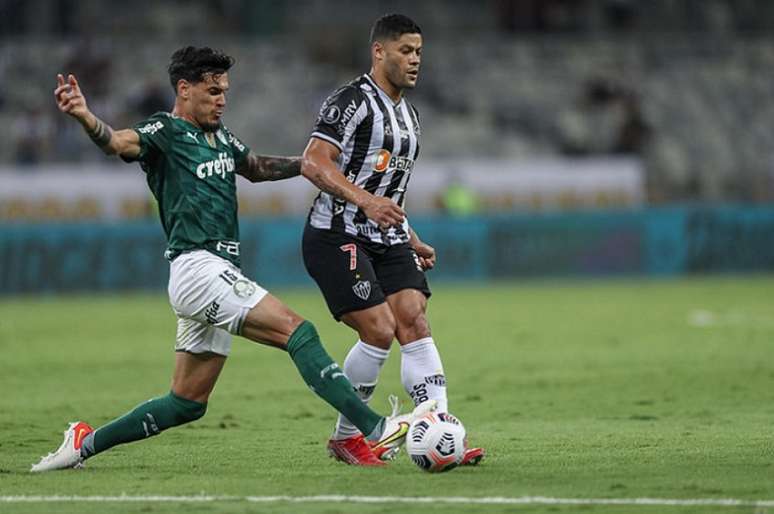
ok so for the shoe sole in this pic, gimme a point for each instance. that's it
(332, 454)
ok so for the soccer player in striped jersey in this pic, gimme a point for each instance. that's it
(190, 160)
(358, 245)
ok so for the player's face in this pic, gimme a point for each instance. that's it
(208, 100)
(401, 60)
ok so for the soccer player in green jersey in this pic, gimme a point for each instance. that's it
(190, 160)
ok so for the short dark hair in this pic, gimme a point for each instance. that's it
(393, 26)
(191, 64)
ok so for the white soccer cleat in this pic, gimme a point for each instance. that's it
(396, 427)
(68, 455)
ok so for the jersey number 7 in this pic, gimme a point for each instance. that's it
(352, 249)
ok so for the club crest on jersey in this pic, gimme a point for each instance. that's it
(220, 166)
(362, 289)
(244, 288)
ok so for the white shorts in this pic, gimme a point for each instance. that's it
(211, 298)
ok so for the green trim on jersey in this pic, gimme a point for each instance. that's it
(194, 183)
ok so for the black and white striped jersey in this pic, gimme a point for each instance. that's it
(379, 142)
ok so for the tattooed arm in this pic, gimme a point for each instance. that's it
(259, 168)
(70, 100)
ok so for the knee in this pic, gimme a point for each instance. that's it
(412, 326)
(285, 321)
(291, 322)
(379, 333)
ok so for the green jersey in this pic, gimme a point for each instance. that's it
(192, 175)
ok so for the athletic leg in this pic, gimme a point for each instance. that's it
(202, 350)
(421, 367)
(376, 328)
(405, 285)
(195, 375)
(237, 305)
(343, 269)
(272, 322)
(193, 381)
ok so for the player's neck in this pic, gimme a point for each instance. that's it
(181, 113)
(385, 85)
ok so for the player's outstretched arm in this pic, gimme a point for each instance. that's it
(259, 168)
(319, 166)
(70, 100)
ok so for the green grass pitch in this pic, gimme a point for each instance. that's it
(577, 389)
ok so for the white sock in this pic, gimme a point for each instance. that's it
(361, 367)
(421, 372)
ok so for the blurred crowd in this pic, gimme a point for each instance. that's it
(683, 84)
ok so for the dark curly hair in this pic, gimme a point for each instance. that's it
(393, 26)
(191, 64)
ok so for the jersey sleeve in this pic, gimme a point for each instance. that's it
(340, 115)
(155, 135)
(241, 150)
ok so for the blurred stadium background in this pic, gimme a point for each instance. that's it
(560, 137)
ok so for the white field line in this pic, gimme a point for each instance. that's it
(703, 318)
(460, 500)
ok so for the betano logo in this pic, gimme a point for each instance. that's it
(382, 160)
(219, 166)
(386, 162)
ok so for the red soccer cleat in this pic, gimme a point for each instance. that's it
(353, 450)
(472, 456)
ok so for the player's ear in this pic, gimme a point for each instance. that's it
(183, 89)
(377, 51)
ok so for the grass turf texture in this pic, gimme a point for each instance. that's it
(604, 389)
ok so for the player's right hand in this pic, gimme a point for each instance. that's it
(383, 211)
(69, 98)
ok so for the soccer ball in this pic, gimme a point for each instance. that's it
(436, 442)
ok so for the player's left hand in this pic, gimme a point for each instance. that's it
(69, 97)
(426, 254)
